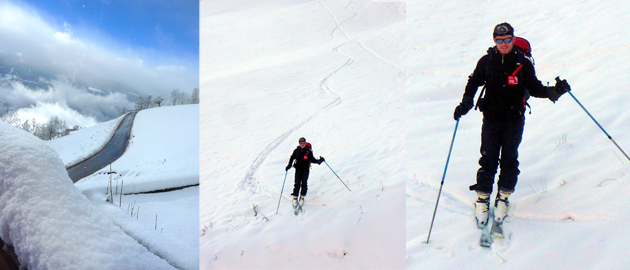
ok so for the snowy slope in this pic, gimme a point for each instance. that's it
(570, 208)
(275, 71)
(163, 153)
(84, 142)
(50, 224)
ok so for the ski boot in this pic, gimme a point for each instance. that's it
(294, 202)
(501, 204)
(481, 209)
(300, 204)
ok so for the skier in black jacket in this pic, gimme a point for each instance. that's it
(303, 157)
(509, 80)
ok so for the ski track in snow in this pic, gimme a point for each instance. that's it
(401, 71)
(463, 202)
(561, 217)
(249, 179)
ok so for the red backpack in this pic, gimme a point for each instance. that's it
(308, 145)
(524, 45)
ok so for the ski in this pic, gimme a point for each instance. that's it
(486, 239)
(497, 230)
(299, 206)
(491, 233)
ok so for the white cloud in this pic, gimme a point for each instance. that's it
(75, 106)
(60, 52)
(41, 112)
(62, 36)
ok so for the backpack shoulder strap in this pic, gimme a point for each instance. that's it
(490, 52)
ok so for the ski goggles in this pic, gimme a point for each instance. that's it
(506, 40)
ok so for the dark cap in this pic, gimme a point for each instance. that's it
(302, 140)
(503, 29)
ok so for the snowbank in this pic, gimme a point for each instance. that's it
(49, 222)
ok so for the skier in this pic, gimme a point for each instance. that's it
(509, 79)
(303, 156)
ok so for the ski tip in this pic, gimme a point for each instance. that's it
(485, 242)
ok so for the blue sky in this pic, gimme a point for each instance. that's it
(121, 48)
(165, 30)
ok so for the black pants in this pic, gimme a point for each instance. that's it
(499, 145)
(301, 177)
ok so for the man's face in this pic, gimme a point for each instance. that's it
(302, 144)
(504, 43)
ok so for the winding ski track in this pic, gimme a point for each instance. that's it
(249, 180)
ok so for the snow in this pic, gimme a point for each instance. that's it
(49, 222)
(569, 210)
(54, 224)
(163, 153)
(273, 72)
(84, 142)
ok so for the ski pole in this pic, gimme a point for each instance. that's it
(600, 127)
(442, 184)
(337, 176)
(285, 179)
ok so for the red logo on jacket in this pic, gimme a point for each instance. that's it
(512, 80)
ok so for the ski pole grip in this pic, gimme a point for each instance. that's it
(558, 81)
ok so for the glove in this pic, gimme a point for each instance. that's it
(321, 159)
(288, 167)
(463, 107)
(562, 86)
(552, 94)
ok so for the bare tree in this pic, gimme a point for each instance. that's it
(194, 97)
(26, 126)
(10, 117)
(140, 102)
(148, 101)
(158, 100)
(37, 129)
(184, 98)
(54, 128)
(175, 96)
(123, 111)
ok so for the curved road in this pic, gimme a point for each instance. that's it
(112, 151)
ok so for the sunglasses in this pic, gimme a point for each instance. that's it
(302, 143)
(506, 40)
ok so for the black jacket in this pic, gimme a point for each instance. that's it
(303, 158)
(502, 101)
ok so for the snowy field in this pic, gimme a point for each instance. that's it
(571, 205)
(273, 72)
